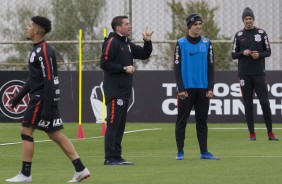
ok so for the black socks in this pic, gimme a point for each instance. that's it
(26, 168)
(78, 165)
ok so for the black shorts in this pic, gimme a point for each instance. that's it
(32, 117)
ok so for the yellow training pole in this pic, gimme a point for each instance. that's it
(80, 133)
(80, 79)
(104, 125)
(103, 94)
(105, 33)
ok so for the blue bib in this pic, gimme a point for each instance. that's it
(194, 63)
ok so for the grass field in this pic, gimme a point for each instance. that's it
(153, 152)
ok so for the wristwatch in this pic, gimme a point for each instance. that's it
(124, 68)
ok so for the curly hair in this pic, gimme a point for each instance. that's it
(42, 22)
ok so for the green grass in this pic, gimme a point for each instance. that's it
(153, 153)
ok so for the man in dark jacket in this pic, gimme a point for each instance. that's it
(117, 62)
(251, 47)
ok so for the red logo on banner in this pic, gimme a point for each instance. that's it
(8, 91)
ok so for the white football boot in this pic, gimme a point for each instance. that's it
(20, 178)
(79, 176)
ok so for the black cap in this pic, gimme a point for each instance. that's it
(191, 19)
(43, 22)
(248, 12)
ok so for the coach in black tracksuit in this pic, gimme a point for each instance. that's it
(117, 62)
(250, 47)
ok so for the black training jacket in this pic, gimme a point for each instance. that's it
(117, 52)
(255, 40)
(43, 82)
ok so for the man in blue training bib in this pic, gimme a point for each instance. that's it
(194, 73)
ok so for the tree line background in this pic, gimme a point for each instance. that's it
(68, 16)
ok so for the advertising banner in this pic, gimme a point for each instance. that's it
(153, 97)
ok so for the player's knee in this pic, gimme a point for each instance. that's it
(27, 138)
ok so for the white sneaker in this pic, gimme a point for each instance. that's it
(20, 178)
(79, 176)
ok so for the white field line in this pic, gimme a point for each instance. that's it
(172, 157)
(132, 131)
(230, 156)
(141, 130)
(233, 128)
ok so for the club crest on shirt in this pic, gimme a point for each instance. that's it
(257, 38)
(120, 102)
(242, 82)
(205, 40)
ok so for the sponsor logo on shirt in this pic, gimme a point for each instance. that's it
(31, 59)
(211, 55)
(38, 49)
(266, 43)
(56, 80)
(129, 48)
(192, 53)
(176, 55)
(43, 69)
